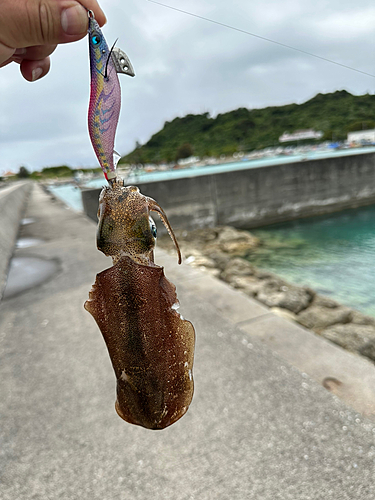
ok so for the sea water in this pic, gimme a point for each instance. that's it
(70, 194)
(333, 254)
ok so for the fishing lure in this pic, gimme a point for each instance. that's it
(105, 95)
(150, 345)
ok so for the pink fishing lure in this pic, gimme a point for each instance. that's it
(105, 95)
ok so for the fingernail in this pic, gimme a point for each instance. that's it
(19, 52)
(74, 20)
(36, 73)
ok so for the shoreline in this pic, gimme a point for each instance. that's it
(223, 252)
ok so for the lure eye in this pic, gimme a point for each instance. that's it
(153, 230)
(96, 39)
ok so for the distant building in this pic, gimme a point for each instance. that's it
(8, 174)
(299, 135)
(361, 136)
(188, 161)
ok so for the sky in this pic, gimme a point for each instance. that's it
(186, 65)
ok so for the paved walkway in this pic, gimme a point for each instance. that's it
(258, 427)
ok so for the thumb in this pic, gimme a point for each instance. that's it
(40, 22)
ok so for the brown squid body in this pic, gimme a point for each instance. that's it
(150, 345)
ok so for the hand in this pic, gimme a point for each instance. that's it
(31, 29)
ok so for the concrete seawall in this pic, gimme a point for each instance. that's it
(12, 204)
(260, 196)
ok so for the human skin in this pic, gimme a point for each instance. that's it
(30, 30)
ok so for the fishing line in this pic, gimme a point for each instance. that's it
(262, 38)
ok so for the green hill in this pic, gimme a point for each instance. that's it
(247, 129)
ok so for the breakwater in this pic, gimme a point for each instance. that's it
(255, 197)
(12, 204)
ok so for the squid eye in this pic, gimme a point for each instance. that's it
(96, 39)
(153, 230)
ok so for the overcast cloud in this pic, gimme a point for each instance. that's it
(186, 65)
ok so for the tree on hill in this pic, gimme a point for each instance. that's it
(244, 129)
(23, 173)
(184, 151)
(60, 171)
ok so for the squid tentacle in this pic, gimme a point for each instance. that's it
(154, 207)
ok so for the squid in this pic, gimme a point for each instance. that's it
(151, 346)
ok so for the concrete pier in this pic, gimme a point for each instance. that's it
(261, 425)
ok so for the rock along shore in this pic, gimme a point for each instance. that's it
(224, 252)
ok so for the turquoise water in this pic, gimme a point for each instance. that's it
(69, 194)
(334, 255)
